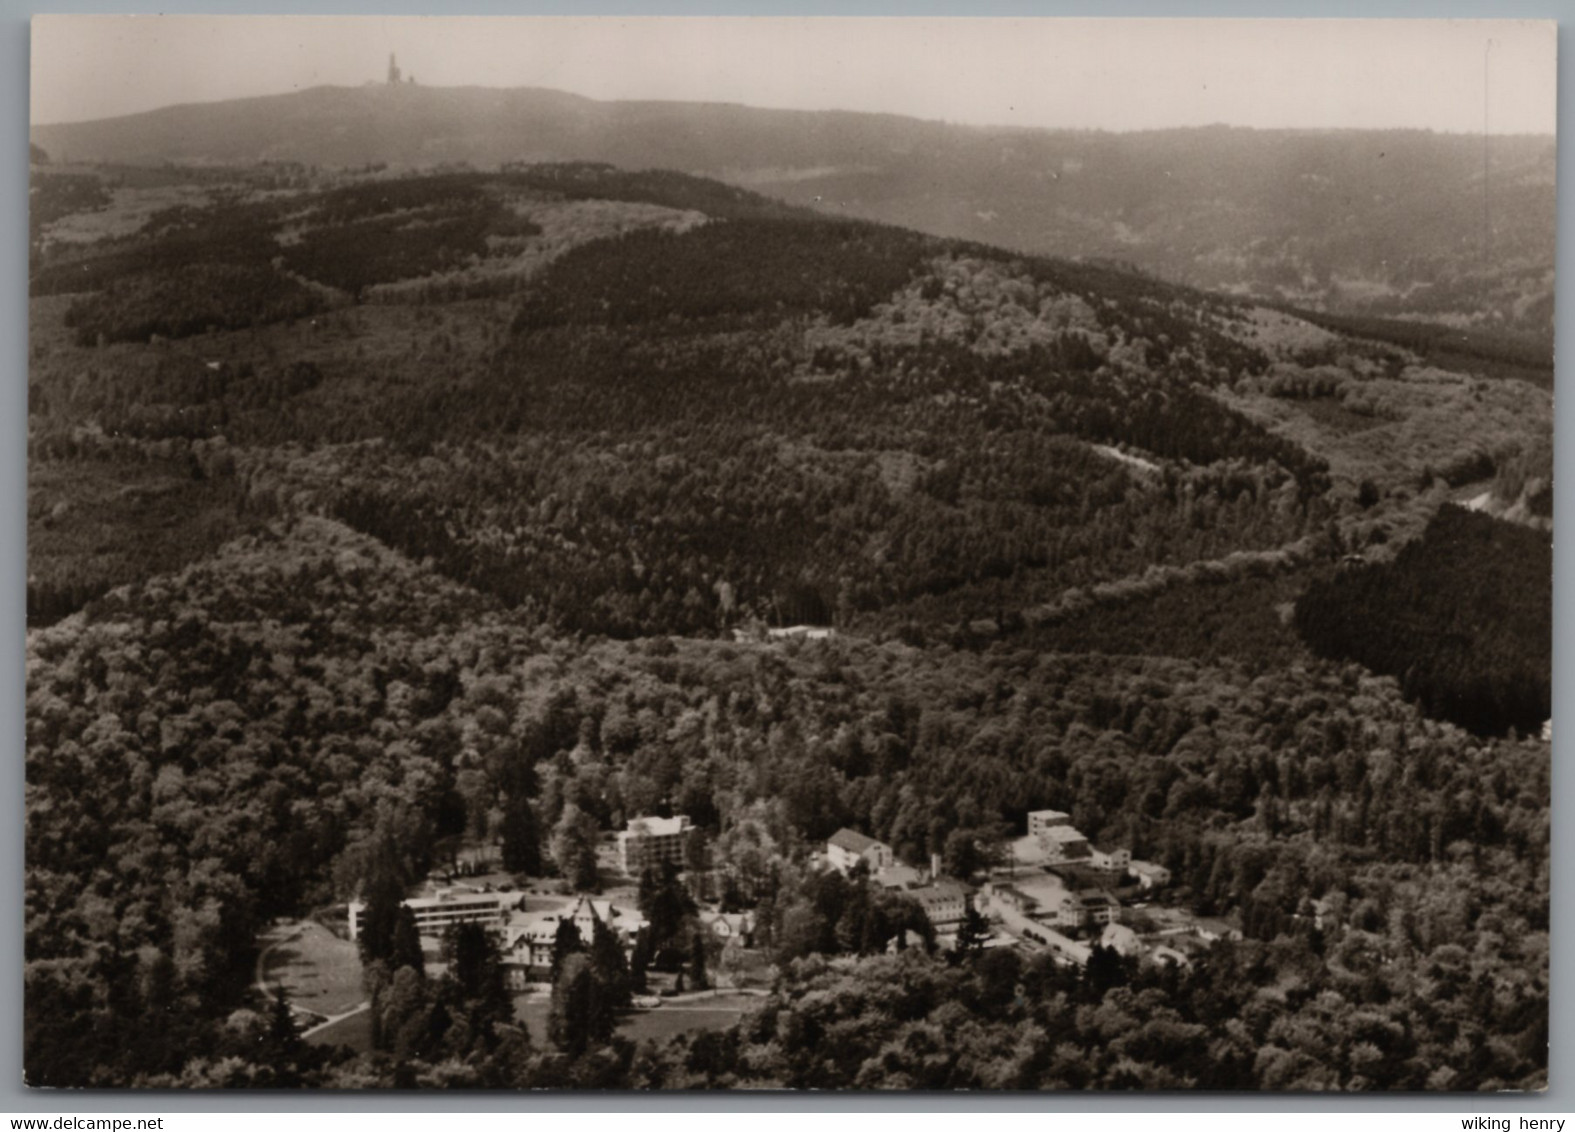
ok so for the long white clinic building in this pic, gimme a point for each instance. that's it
(436, 914)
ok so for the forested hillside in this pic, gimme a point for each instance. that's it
(1462, 617)
(211, 748)
(373, 515)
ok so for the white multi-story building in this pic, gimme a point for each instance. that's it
(436, 914)
(1063, 843)
(1100, 908)
(652, 841)
(1041, 820)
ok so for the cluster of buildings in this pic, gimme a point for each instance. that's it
(1055, 842)
(528, 935)
(1058, 890)
(944, 900)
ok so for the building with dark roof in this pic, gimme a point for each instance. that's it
(945, 902)
(847, 847)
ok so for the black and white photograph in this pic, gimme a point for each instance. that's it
(793, 553)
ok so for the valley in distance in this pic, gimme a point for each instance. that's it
(532, 593)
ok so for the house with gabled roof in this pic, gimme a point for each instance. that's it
(945, 902)
(528, 940)
(847, 847)
(1113, 860)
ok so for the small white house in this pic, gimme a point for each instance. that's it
(1114, 861)
(1149, 874)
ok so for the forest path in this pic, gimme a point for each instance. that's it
(331, 1019)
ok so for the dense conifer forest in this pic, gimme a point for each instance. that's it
(1462, 616)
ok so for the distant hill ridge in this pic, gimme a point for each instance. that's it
(1392, 223)
(415, 125)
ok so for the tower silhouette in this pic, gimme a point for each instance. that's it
(393, 69)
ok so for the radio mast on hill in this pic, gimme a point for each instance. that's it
(393, 69)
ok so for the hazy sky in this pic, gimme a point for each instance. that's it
(1459, 75)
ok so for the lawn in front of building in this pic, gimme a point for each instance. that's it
(712, 1012)
(321, 972)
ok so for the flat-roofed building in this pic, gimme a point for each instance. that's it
(1041, 820)
(1063, 843)
(999, 895)
(436, 914)
(802, 633)
(1067, 911)
(1034, 892)
(1100, 908)
(652, 841)
(900, 877)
